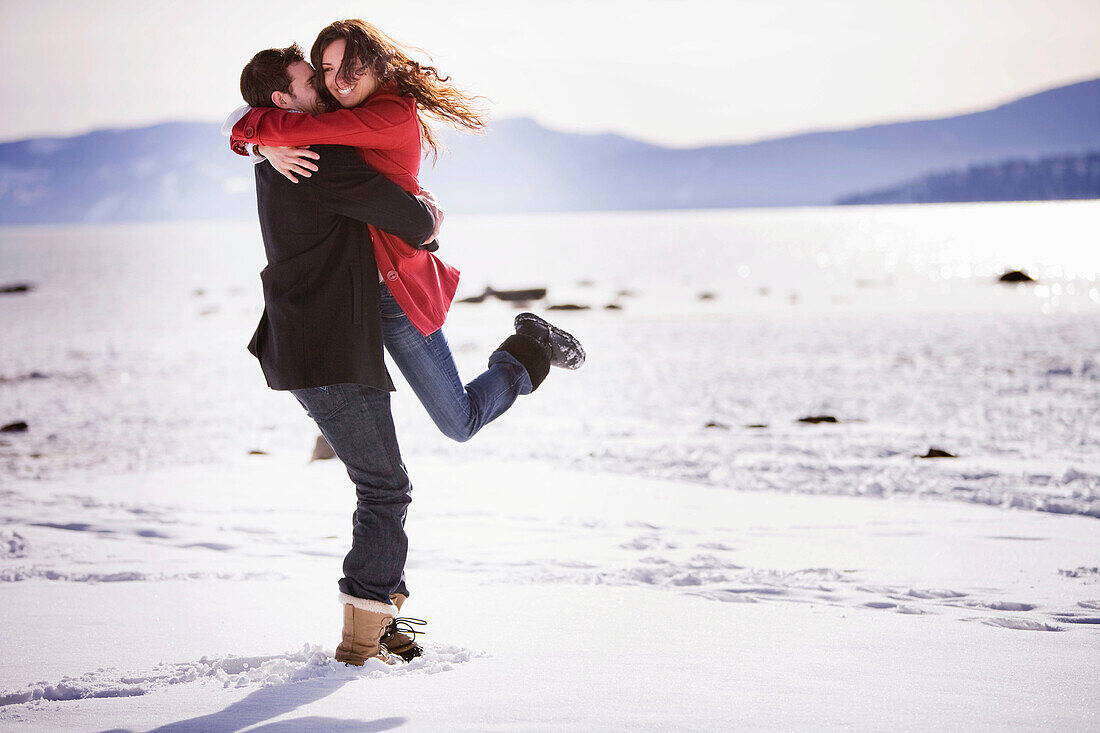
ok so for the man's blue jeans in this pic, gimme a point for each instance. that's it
(356, 421)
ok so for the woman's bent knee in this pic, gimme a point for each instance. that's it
(459, 435)
(457, 430)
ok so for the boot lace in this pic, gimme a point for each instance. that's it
(405, 625)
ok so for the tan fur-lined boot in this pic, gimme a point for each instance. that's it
(365, 622)
(397, 642)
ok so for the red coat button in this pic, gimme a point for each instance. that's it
(249, 131)
(391, 275)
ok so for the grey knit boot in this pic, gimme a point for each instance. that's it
(565, 351)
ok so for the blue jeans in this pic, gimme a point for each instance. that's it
(429, 368)
(356, 421)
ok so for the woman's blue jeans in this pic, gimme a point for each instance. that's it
(356, 421)
(429, 368)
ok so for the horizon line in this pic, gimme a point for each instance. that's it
(769, 137)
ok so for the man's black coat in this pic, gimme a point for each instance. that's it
(321, 323)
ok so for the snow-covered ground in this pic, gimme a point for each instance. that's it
(622, 550)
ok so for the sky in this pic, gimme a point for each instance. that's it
(679, 73)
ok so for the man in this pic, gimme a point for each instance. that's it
(321, 338)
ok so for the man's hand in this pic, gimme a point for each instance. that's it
(437, 213)
(289, 161)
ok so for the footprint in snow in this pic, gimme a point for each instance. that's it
(934, 593)
(996, 605)
(1018, 624)
(715, 546)
(898, 608)
(1076, 618)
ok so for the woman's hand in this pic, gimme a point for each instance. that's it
(437, 213)
(289, 161)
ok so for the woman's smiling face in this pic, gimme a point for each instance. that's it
(347, 96)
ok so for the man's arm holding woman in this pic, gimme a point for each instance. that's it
(351, 188)
(346, 181)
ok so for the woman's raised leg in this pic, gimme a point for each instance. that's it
(427, 364)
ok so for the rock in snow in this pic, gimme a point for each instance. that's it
(15, 288)
(322, 451)
(508, 296)
(815, 419)
(937, 453)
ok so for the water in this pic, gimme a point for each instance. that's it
(921, 257)
(924, 257)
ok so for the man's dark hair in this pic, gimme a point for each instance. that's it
(266, 74)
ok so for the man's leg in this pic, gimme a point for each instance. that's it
(428, 366)
(356, 421)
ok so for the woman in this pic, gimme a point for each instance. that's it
(386, 98)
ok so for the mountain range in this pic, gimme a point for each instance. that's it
(184, 170)
(1060, 177)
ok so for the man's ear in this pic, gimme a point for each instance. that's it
(280, 100)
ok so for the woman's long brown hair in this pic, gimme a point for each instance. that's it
(369, 48)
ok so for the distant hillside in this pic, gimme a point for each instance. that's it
(185, 170)
(1063, 177)
(179, 170)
